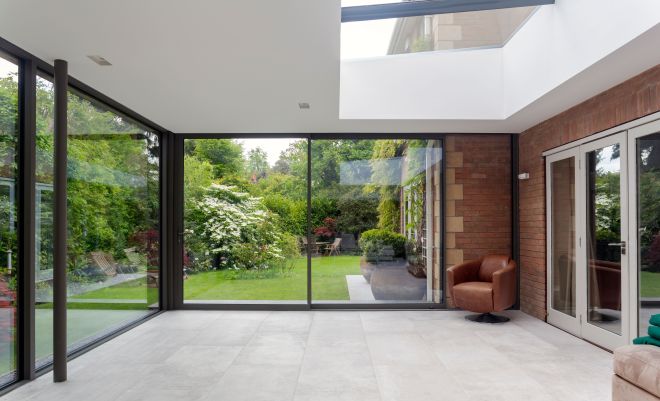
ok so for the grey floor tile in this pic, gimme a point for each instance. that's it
(333, 355)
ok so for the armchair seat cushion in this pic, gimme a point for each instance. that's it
(639, 365)
(475, 296)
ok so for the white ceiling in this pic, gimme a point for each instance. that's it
(209, 66)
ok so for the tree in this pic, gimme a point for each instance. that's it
(225, 155)
(257, 164)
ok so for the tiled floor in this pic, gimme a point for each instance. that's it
(362, 356)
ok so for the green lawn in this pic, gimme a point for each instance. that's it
(649, 284)
(134, 289)
(328, 282)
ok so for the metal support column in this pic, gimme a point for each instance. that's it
(60, 223)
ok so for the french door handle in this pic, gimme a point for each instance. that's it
(621, 244)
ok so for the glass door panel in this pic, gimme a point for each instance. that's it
(245, 219)
(563, 236)
(645, 222)
(376, 224)
(604, 254)
(9, 257)
(562, 233)
(604, 242)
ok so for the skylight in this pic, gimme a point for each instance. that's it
(447, 31)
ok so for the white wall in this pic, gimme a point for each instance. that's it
(423, 86)
(561, 41)
(556, 44)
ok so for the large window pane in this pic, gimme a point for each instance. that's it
(376, 220)
(113, 221)
(245, 216)
(44, 223)
(8, 224)
(648, 220)
(473, 29)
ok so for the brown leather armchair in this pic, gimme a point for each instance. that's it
(484, 286)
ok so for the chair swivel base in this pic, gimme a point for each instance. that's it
(487, 318)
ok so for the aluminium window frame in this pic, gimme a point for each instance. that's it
(416, 8)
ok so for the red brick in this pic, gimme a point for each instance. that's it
(628, 101)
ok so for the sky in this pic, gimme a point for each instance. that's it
(366, 38)
(272, 146)
(6, 67)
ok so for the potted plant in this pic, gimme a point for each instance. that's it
(393, 266)
(415, 266)
(381, 248)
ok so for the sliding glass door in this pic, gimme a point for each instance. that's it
(8, 218)
(112, 241)
(375, 221)
(311, 221)
(245, 219)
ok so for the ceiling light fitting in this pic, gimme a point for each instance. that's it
(99, 60)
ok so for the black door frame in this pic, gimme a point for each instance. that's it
(177, 257)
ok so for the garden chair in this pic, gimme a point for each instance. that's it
(105, 262)
(314, 247)
(334, 248)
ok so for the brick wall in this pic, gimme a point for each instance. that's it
(478, 196)
(630, 100)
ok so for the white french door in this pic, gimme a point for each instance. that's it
(587, 241)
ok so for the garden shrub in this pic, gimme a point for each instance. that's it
(292, 214)
(240, 232)
(357, 212)
(372, 242)
(327, 230)
(323, 207)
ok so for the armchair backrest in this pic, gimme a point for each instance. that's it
(490, 264)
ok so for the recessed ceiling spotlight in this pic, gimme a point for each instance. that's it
(303, 106)
(99, 60)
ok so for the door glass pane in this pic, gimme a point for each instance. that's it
(648, 221)
(376, 221)
(604, 238)
(44, 223)
(563, 235)
(113, 221)
(245, 218)
(8, 224)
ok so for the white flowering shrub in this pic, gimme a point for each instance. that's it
(239, 232)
